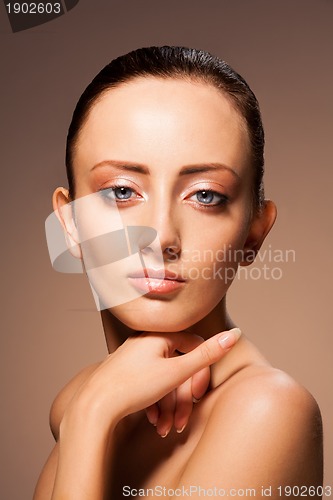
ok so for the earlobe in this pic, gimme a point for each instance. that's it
(63, 209)
(260, 226)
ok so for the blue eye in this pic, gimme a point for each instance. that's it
(118, 193)
(209, 198)
(205, 196)
(123, 193)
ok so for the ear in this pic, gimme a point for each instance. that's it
(261, 224)
(64, 210)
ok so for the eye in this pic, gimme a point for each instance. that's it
(123, 193)
(209, 198)
(118, 194)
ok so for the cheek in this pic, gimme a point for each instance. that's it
(211, 255)
(220, 240)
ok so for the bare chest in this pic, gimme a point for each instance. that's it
(145, 460)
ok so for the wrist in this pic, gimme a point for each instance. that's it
(85, 448)
(88, 410)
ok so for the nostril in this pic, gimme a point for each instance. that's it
(172, 252)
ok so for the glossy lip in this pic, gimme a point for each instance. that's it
(156, 281)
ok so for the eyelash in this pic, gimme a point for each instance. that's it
(223, 199)
(111, 190)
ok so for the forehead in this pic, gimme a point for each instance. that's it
(163, 121)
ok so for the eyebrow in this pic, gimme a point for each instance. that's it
(206, 167)
(123, 165)
(186, 170)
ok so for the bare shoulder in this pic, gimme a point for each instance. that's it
(64, 397)
(262, 389)
(266, 423)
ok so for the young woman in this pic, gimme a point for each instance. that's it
(171, 139)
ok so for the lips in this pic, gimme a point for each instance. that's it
(156, 281)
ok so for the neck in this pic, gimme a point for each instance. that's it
(218, 320)
(115, 331)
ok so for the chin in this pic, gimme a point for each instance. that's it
(156, 316)
(151, 324)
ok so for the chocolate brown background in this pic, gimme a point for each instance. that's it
(50, 328)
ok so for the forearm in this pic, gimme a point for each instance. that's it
(85, 454)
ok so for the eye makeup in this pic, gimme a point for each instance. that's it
(215, 187)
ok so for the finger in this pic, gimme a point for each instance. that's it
(200, 383)
(207, 353)
(152, 413)
(184, 405)
(166, 413)
(183, 342)
(201, 379)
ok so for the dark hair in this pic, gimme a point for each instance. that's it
(175, 62)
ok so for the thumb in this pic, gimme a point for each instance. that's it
(206, 354)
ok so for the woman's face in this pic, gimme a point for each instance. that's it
(174, 156)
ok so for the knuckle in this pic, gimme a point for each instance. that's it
(206, 354)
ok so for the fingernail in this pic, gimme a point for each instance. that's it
(152, 419)
(195, 400)
(181, 429)
(230, 338)
(165, 435)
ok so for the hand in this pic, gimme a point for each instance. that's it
(176, 407)
(144, 369)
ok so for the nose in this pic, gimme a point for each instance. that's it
(164, 220)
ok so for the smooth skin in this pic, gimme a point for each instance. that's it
(167, 142)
